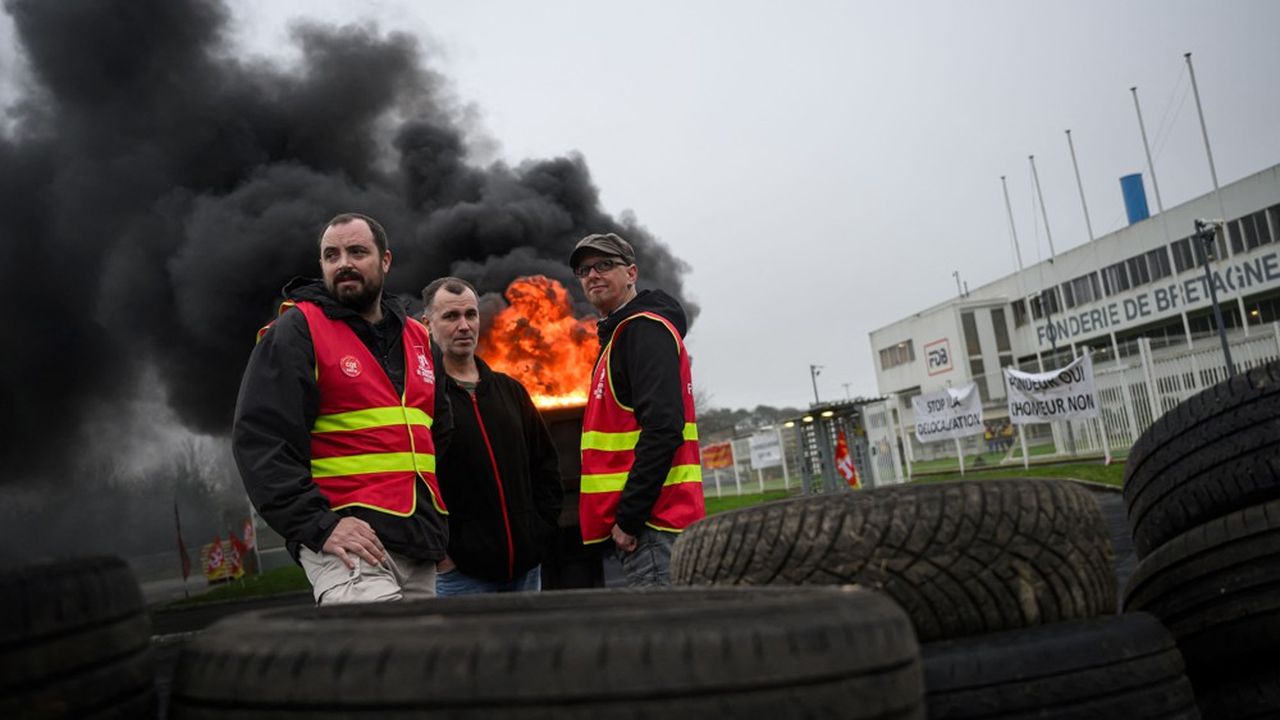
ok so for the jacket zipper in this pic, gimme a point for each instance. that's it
(502, 496)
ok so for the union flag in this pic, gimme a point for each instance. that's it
(844, 461)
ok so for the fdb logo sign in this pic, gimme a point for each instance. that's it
(937, 356)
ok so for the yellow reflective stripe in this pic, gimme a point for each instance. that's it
(372, 463)
(598, 440)
(613, 482)
(372, 418)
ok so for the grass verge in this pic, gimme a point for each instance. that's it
(733, 502)
(1111, 474)
(279, 580)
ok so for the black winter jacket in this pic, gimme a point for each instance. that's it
(278, 403)
(500, 477)
(646, 376)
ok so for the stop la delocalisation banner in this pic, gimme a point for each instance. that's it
(948, 414)
(1067, 393)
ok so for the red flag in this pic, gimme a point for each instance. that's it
(717, 456)
(183, 556)
(213, 559)
(237, 553)
(844, 461)
(250, 537)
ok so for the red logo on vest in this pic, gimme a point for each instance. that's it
(350, 365)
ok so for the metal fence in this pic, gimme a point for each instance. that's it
(1132, 393)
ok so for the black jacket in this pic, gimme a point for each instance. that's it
(646, 376)
(500, 477)
(278, 403)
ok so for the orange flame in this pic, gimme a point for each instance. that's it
(539, 342)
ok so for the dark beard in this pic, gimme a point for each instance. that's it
(361, 299)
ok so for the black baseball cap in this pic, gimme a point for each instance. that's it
(604, 243)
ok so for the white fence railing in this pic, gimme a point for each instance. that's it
(1132, 393)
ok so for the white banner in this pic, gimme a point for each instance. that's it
(948, 414)
(1067, 393)
(766, 451)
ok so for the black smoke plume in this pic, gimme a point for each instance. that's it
(156, 191)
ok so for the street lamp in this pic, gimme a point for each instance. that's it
(1206, 231)
(814, 372)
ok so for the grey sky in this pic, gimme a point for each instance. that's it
(825, 166)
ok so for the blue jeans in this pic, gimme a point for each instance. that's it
(649, 565)
(455, 582)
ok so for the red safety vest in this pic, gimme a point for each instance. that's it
(368, 444)
(609, 436)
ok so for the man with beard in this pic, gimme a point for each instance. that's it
(337, 423)
(641, 471)
(501, 475)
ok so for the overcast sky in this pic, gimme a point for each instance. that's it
(823, 167)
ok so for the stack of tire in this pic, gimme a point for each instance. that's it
(681, 653)
(1010, 585)
(1202, 492)
(75, 642)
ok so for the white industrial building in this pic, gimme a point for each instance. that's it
(1142, 281)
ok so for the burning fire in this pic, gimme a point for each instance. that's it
(539, 342)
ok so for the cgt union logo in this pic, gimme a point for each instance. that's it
(424, 368)
(350, 366)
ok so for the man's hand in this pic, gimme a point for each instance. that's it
(626, 543)
(353, 536)
(445, 565)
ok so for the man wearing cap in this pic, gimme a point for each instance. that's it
(641, 473)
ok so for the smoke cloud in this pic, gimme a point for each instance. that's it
(156, 192)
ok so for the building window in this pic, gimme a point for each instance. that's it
(1002, 330)
(1263, 310)
(1081, 290)
(1049, 298)
(1204, 324)
(1046, 303)
(1115, 278)
(1250, 231)
(971, 343)
(1138, 273)
(979, 374)
(895, 355)
(1183, 256)
(1019, 313)
(1158, 264)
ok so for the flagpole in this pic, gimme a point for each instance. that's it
(1204, 132)
(184, 559)
(1043, 212)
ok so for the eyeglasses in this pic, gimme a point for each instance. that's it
(600, 266)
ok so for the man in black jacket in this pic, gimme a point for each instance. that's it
(500, 475)
(359, 552)
(641, 473)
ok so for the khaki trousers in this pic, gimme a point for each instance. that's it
(397, 578)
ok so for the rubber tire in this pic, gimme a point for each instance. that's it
(1217, 589)
(75, 642)
(961, 558)
(1215, 453)
(1254, 695)
(728, 653)
(1124, 666)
